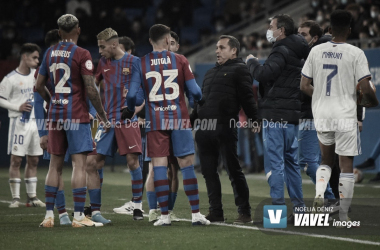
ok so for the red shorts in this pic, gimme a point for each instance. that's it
(128, 139)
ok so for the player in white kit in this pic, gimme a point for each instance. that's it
(336, 68)
(23, 139)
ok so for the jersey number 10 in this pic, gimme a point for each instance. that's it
(172, 74)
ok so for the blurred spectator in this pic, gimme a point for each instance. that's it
(73, 5)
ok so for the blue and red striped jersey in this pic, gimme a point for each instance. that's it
(117, 76)
(165, 76)
(65, 63)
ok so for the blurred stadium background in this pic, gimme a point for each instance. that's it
(198, 23)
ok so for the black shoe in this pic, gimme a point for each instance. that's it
(290, 219)
(243, 219)
(376, 179)
(214, 217)
(137, 214)
(367, 164)
(87, 211)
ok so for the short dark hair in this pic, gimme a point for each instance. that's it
(28, 48)
(340, 21)
(232, 42)
(315, 29)
(157, 31)
(127, 43)
(285, 21)
(175, 36)
(52, 38)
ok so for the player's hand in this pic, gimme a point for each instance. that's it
(360, 124)
(25, 107)
(250, 56)
(90, 116)
(125, 92)
(44, 142)
(256, 129)
(106, 127)
(127, 114)
(139, 108)
(141, 122)
(98, 117)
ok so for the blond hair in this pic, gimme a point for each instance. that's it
(67, 22)
(107, 34)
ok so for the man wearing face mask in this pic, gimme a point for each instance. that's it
(280, 107)
(226, 89)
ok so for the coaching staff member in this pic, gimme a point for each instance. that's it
(280, 107)
(226, 88)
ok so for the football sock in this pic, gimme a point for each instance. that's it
(152, 200)
(322, 178)
(137, 185)
(50, 194)
(161, 186)
(100, 171)
(79, 195)
(14, 184)
(31, 186)
(95, 199)
(49, 214)
(346, 192)
(172, 198)
(60, 202)
(190, 185)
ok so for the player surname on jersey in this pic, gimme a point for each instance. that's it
(334, 55)
(160, 61)
(61, 53)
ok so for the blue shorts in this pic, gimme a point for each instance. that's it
(159, 143)
(77, 139)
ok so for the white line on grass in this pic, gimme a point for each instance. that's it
(365, 242)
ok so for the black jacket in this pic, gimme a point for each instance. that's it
(279, 80)
(226, 88)
(306, 112)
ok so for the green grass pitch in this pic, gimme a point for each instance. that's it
(19, 227)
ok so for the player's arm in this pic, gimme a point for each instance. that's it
(368, 93)
(94, 97)
(134, 91)
(41, 89)
(5, 91)
(306, 86)
(40, 114)
(190, 84)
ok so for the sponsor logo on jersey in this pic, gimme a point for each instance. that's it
(168, 108)
(59, 101)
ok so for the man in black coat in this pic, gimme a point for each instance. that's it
(280, 108)
(226, 88)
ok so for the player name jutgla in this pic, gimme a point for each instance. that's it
(159, 61)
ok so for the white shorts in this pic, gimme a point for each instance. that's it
(346, 143)
(23, 138)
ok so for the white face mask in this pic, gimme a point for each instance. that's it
(270, 37)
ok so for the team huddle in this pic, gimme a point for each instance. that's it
(148, 90)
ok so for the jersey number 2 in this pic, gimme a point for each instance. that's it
(172, 74)
(59, 87)
(330, 76)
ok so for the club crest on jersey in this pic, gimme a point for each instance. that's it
(159, 61)
(126, 71)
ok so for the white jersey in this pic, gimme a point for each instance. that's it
(336, 69)
(17, 89)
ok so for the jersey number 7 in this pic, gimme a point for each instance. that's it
(172, 74)
(330, 76)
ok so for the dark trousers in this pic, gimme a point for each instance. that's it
(222, 142)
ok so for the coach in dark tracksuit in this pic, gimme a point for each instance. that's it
(280, 108)
(226, 88)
